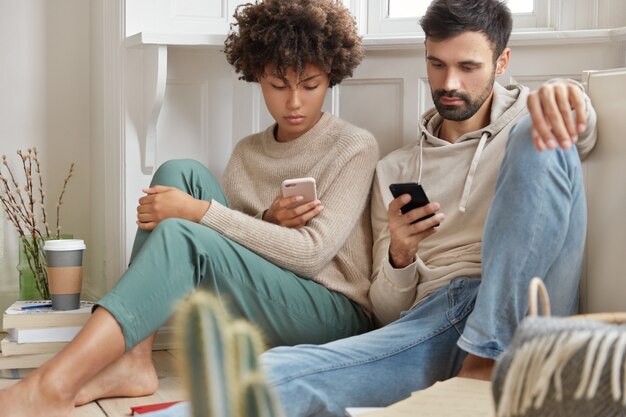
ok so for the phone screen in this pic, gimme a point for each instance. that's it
(418, 197)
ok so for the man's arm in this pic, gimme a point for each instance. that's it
(562, 116)
(396, 240)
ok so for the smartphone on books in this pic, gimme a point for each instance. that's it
(304, 187)
(418, 197)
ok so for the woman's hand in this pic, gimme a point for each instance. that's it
(163, 202)
(283, 213)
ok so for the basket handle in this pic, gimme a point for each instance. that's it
(537, 291)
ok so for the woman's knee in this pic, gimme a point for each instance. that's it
(171, 223)
(172, 230)
(176, 234)
(169, 171)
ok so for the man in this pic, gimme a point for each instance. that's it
(451, 289)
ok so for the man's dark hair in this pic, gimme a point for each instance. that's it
(291, 34)
(445, 19)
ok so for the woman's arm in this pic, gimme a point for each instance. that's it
(162, 202)
(343, 190)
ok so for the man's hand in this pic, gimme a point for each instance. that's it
(551, 109)
(405, 236)
(163, 202)
(282, 212)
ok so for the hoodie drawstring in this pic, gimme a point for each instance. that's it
(472, 170)
(419, 172)
(470, 175)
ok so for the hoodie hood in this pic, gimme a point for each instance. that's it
(507, 104)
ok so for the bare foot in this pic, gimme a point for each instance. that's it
(132, 375)
(36, 395)
(476, 367)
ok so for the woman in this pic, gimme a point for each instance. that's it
(300, 274)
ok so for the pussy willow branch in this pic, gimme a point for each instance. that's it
(30, 207)
(32, 249)
(60, 202)
(20, 206)
(36, 262)
(13, 217)
(27, 163)
(12, 208)
(42, 194)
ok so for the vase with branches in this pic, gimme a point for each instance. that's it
(24, 206)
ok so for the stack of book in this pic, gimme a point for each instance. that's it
(35, 333)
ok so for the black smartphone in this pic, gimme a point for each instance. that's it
(418, 197)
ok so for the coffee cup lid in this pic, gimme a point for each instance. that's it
(64, 245)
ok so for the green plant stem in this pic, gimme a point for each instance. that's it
(36, 262)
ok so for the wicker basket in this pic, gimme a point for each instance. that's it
(562, 366)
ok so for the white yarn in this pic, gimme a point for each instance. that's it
(616, 367)
(603, 353)
(588, 365)
(550, 365)
(624, 385)
(514, 382)
(569, 344)
(536, 370)
(541, 361)
(576, 342)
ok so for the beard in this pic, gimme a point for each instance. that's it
(468, 109)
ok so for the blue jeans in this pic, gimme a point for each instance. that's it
(536, 227)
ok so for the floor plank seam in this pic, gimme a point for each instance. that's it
(104, 413)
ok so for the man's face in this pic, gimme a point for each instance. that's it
(461, 73)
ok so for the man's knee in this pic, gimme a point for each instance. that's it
(522, 155)
(520, 146)
(281, 364)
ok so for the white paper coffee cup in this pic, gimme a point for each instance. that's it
(64, 259)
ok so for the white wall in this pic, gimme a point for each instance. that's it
(203, 110)
(179, 16)
(44, 102)
(72, 88)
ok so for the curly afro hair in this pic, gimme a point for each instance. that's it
(292, 34)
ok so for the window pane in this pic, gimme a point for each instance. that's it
(407, 8)
(415, 8)
(521, 6)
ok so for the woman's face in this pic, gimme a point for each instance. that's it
(295, 102)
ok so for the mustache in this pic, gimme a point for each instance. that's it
(451, 94)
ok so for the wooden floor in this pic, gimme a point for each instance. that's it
(170, 389)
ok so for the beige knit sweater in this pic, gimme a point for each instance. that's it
(334, 248)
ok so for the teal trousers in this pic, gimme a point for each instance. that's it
(179, 256)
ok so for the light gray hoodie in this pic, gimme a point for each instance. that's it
(461, 177)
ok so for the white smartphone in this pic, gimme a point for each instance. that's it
(300, 186)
